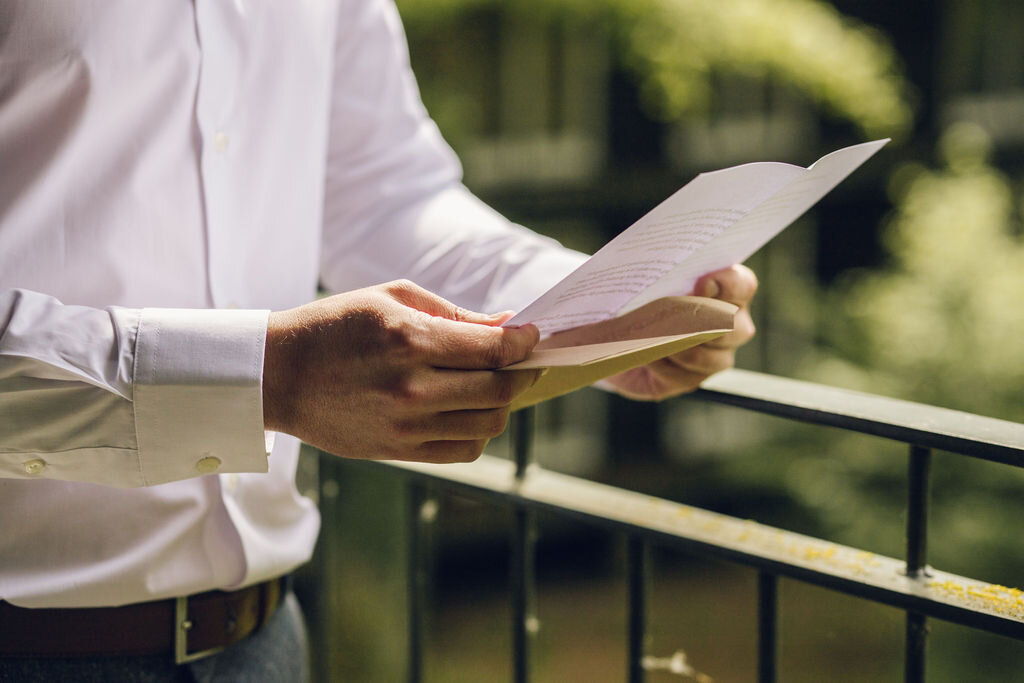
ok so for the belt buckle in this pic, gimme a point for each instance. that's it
(182, 625)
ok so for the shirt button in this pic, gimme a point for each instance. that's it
(208, 465)
(34, 466)
(220, 141)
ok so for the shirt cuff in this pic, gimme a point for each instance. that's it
(197, 392)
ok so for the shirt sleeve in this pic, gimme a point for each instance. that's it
(128, 397)
(395, 205)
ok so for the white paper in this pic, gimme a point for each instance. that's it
(715, 220)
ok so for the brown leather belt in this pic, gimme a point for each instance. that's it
(188, 627)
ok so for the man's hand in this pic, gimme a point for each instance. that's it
(394, 372)
(685, 371)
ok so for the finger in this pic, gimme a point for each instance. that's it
(736, 284)
(446, 451)
(456, 425)
(742, 332)
(414, 296)
(701, 360)
(446, 390)
(503, 317)
(673, 379)
(463, 345)
(656, 381)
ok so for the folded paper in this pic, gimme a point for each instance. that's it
(619, 311)
(581, 356)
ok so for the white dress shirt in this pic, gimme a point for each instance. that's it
(169, 172)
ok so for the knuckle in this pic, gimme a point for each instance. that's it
(500, 352)
(406, 394)
(398, 288)
(397, 334)
(404, 340)
(470, 451)
(401, 431)
(504, 388)
(496, 422)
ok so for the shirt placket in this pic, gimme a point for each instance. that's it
(219, 25)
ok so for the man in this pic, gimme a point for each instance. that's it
(168, 175)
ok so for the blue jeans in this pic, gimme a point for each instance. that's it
(277, 653)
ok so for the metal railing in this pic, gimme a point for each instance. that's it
(909, 584)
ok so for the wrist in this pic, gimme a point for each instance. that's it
(275, 374)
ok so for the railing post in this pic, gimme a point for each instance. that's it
(422, 510)
(917, 557)
(638, 570)
(916, 640)
(917, 510)
(522, 440)
(522, 570)
(767, 627)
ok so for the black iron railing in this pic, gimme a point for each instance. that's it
(907, 584)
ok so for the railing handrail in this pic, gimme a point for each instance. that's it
(853, 571)
(910, 584)
(906, 421)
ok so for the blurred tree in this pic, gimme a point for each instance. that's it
(938, 323)
(675, 47)
(941, 323)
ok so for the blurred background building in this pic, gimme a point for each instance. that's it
(575, 117)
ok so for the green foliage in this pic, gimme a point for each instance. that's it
(676, 47)
(941, 324)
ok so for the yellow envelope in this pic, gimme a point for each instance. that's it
(583, 355)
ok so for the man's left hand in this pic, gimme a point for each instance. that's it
(684, 371)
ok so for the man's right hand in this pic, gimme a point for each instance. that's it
(392, 372)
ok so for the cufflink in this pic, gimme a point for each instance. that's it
(208, 465)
